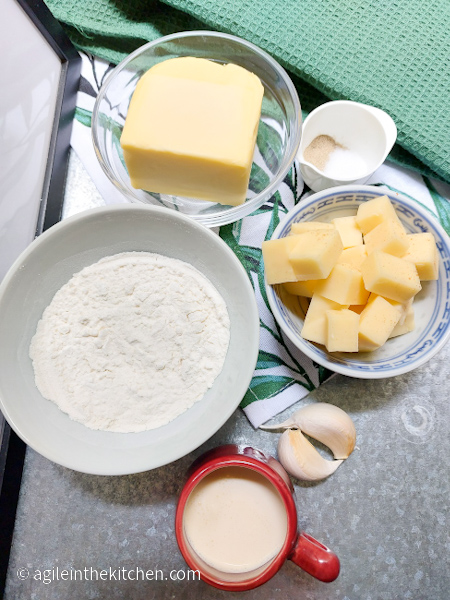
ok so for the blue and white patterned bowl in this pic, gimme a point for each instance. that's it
(431, 306)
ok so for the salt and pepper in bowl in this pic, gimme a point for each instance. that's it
(344, 142)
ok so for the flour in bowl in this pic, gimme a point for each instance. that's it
(131, 342)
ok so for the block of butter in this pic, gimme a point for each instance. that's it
(191, 129)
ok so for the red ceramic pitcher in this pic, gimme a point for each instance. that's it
(306, 552)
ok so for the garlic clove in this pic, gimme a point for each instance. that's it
(326, 423)
(329, 425)
(281, 426)
(301, 460)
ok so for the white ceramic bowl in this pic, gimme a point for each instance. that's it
(278, 135)
(48, 263)
(368, 132)
(431, 306)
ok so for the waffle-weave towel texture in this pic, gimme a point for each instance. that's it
(394, 54)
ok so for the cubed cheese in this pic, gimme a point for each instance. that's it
(315, 253)
(301, 288)
(303, 303)
(191, 128)
(357, 308)
(373, 212)
(406, 325)
(389, 236)
(344, 285)
(315, 324)
(309, 226)
(342, 330)
(277, 267)
(405, 308)
(376, 323)
(354, 256)
(423, 253)
(390, 276)
(401, 307)
(349, 231)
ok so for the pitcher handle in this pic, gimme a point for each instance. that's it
(315, 558)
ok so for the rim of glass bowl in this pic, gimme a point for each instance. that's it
(229, 215)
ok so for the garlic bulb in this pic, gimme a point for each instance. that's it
(327, 424)
(301, 460)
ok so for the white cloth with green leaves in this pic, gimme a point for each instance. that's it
(283, 374)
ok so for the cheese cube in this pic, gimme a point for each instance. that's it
(303, 303)
(390, 276)
(373, 212)
(406, 309)
(389, 236)
(376, 323)
(342, 331)
(354, 256)
(315, 324)
(309, 226)
(315, 253)
(406, 326)
(349, 231)
(401, 307)
(344, 285)
(301, 288)
(277, 267)
(357, 308)
(423, 253)
(191, 129)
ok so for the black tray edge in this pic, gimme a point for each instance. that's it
(12, 450)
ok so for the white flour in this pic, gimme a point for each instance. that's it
(131, 342)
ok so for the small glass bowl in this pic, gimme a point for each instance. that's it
(279, 130)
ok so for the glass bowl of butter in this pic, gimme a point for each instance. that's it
(199, 122)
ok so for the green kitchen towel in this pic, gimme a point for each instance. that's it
(394, 54)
